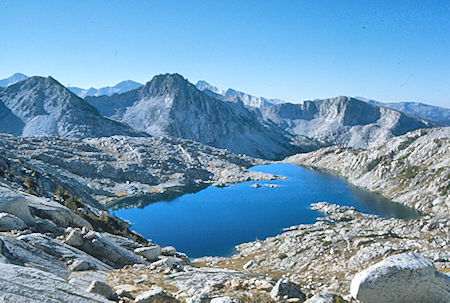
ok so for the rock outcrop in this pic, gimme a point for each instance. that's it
(28, 285)
(413, 169)
(401, 278)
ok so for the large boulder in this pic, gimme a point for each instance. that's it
(10, 222)
(101, 288)
(326, 297)
(150, 253)
(406, 277)
(28, 285)
(95, 244)
(284, 290)
(155, 295)
(56, 212)
(13, 202)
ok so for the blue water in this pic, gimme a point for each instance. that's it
(212, 221)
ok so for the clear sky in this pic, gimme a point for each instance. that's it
(390, 50)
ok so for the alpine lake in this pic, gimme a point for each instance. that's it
(212, 221)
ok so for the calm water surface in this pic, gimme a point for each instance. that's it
(212, 221)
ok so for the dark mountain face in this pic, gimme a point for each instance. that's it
(170, 105)
(42, 106)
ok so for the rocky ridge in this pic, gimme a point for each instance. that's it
(232, 94)
(119, 88)
(413, 169)
(434, 113)
(343, 121)
(104, 169)
(42, 106)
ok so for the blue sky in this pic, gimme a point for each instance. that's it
(293, 50)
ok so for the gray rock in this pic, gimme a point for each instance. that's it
(200, 298)
(248, 264)
(83, 279)
(170, 262)
(47, 226)
(401, 278)
(79, 265)
(101, 288)
(13, 202)
(74, 238)
(284, 289)
(326, 297)
(155, 295)
(122, 241)
(56, 212)
(10, 222)
(60, 251)
(225, 300)
(150, 253)
(108, 252)
(123, 293)
(19, 252)
(168, 251)
(20, 284)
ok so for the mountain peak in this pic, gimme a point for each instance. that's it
(167, 84)
(16, 77)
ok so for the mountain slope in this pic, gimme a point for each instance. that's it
(232, 94)
(17, 77)
(42, 106)
(413, 169)
(170, 105)
(437, 114)
(343, 121)
(119, 88)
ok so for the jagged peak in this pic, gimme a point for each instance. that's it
(167, 83)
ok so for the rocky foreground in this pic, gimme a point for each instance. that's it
(57, 244)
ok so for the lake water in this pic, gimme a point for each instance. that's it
(212, 221)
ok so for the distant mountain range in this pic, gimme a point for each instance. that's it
(438, 114)
(119, 88)
(169, 105)
(13, 79)
(234, 95)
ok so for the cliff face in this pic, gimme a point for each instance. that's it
(413, 169)
(343, 121)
